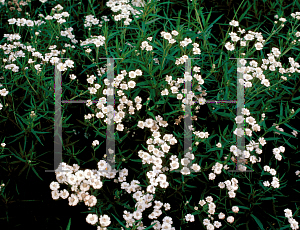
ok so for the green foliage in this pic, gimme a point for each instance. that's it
(28, 115)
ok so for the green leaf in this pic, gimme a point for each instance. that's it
(288, 143)
(287, 125)
(243, 207)
(137, 92)
(257, 221)
(190, 186)
(151, 114)
(160, 102)
(20, 121)
(69, 225)
(142, 83)
(36, 173)
(88, 67)
(268, 198)
(224, 114)
(119, 221)
(296, 98)
(172, 112)
(34, 133)
(152, 94)
(150, 226)
(136, 160)
(177, 181)
(151, 21)
(19, 158)
(281, 112)
(285, 134)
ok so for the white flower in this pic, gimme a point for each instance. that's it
(71, 179)
(131, 84)
(137, 215)
(262, 141)
(73, 200)
(102, 165)
(185, 171)
(267, 168)
(258, 46)
(149, 48)
(249, 37)
(95, 142)
(54, 185)
(209, 199)
(132, 74)
(282, 149)
(189, 218)
(265, 82)
(3, 92)
(275, 184)
(144, 44)
(239, 119)
(69, 63)
(29, 23)
(239, 132)
(64, 194)
(234, 23)
(229, 46)
(250, 120)
(211, 176)
(231, 194)
(272, 172)
(196, 69)
(12, 21)
(174, 32)
(92, 219)
(72, 76)
(138, 72)
(276, 151)
(167, 36)
(196, 167)
(55, 195)
(288, 212)
(245, 111)
(61, 67)
(256, 128)
(235, 209)
(230, 219)
(266, 183)
(98, 43)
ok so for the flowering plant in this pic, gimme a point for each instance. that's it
(159, 180)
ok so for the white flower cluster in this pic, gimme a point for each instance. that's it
(211, 210)
(252, 145)
(243, 41)
(81, 181)
(96, 40)
(125, 8)
(231, 186)
(23, 21)
(3, 92)
(168, 36)
(104, 220)
(275, 182)
(101, 109)
(293, 223)
(145, 45)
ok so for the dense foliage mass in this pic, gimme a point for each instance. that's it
(167, 76)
